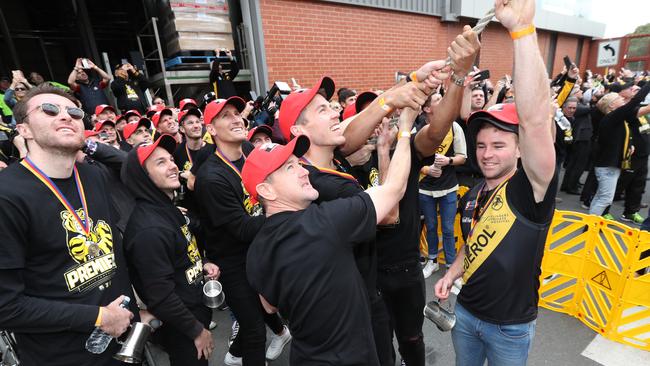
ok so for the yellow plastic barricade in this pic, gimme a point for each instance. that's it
(596, 270)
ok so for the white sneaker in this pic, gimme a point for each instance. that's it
(231, 360)
(277, 344)
(212, 325)
(429, 268)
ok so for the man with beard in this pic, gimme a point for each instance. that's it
(505, 218)
(55, 222)
(165, 262)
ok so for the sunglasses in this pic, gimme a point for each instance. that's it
(53, 110)
(20, 89)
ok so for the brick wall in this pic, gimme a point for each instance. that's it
(362, 47)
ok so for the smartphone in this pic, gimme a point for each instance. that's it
(567, 62)
(124, 61)
(103, 136)
(482, 75)
(85, 64)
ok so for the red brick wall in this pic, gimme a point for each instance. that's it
(566, 45)
(361, 47)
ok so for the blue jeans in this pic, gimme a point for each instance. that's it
(607, 178)
(502, 345)
(447, 207)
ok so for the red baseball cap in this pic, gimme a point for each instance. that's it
(156, 117)
(152, 109)
(188, 102)
(131, 112)
(100, 124)
(295, 102)
(188, 112)
(349, 111)
(166, 141)
(102, 107)
(213, 108)
(130, 128)
(266, 159)
(90, 133)
(260, 129)
(502, 116)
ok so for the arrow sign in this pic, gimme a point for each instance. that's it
(608, 53)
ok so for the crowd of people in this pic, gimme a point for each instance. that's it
(311, 220)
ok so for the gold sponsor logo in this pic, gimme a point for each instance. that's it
(194, 274)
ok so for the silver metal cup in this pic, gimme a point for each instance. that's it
(133, 346)
(213, 295)
(441, 317)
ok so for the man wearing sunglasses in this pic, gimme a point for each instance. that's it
(62, 267)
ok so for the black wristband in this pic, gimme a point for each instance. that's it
(451, 161)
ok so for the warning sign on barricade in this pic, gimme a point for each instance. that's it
(599, 271)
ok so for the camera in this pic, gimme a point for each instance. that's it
(262, 105)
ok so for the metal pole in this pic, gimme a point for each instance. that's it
(46, 58)
(10, 42)
(168, 88)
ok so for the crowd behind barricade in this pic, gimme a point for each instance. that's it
(307, 209)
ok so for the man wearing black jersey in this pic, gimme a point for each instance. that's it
(506, 217)
(230, 221)
(62, 267)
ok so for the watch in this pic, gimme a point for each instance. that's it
(451, 161)
(460, 81)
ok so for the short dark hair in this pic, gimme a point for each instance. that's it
(345, 93)
(20, 109)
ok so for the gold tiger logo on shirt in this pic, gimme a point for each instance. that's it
(251, 209)
(93, 253)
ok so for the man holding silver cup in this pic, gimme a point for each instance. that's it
(165, 264)
(505, 219)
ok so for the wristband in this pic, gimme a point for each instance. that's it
(451, 161)
(384, 106)
(414, 76)
(522, 32)
(98, 321)
(406, 134)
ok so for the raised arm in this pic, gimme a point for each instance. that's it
(532, 95)
(463, 52)
(387, 195)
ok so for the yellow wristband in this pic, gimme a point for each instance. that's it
(98, 321)
(406, 134)
(384, 106)
(522, 32)
(414, 76)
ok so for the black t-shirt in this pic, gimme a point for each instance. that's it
(503, 290)
(331, 186)
(229, 218)
(52, 280)
(400, 244)
(185, 162)
(302, 262)
(91, 94)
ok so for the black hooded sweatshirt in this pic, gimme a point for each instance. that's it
(164, 262)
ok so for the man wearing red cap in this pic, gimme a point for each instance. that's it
(231, 220)
(107, 128)
(165, 122)
(505, 219)
(400, 276)
(138, 132)
(56, 222)
(165, 262)
(260, 135)
(327, 307)
(105, 112)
